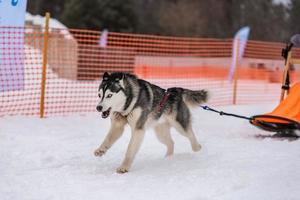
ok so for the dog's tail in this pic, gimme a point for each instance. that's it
(192, 98)
(195, 97)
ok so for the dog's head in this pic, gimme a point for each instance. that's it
(111, 94)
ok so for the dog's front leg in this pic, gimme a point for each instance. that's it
(115, 132)
(133, 147)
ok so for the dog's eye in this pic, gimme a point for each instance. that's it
(99, 95)
(109, 96)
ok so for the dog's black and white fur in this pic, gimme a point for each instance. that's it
(129, 100)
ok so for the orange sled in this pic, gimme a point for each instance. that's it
(285, 117)
(284, 120)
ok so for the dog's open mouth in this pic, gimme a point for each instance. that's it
(106, 113)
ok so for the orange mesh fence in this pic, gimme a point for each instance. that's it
(76, 62)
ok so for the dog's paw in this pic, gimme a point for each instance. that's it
(99, 152)
(196, 147)
(169, 154)
(122, 170)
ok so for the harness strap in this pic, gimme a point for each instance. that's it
(228, 114)
(163, 101)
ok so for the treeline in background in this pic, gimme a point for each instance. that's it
(268, 21)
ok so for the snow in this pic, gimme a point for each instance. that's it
(54, 24)
(53, 158)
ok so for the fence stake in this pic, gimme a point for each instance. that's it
(236, 74)
(45, 51)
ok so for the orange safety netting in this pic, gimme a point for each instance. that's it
(76, 62)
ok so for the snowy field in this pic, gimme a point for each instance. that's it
(53, 159)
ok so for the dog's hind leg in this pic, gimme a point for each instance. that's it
(133, 147)
(189, 133)
(193, 140)
(162, 132)
(182, 123)
(115, 132)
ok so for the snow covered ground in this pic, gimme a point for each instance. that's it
(53, 159)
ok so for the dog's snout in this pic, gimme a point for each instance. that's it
(99, 108)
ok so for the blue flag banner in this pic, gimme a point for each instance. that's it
(239, 42)
(12, 17)
(103, 38)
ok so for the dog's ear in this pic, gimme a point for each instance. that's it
(119, 77)
(105, 76)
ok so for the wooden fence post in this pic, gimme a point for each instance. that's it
(45, 52)
(236, 74)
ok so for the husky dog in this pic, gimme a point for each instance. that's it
(129, 100)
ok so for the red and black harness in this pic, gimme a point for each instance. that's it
(172, 93)
(163, 100)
